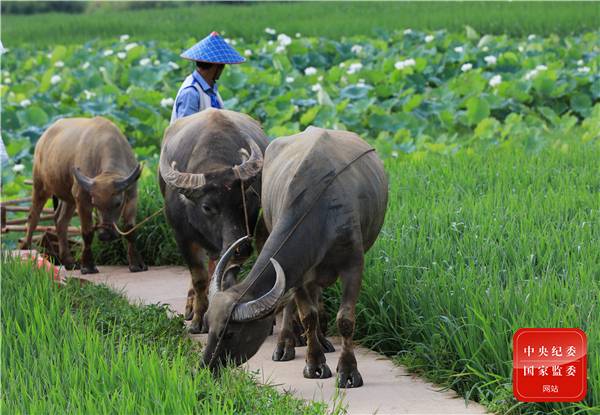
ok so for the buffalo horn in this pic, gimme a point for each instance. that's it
(124, 183)
(178, 180)
(253, 165)
(83, 180)
(255, 309)
(215, 283)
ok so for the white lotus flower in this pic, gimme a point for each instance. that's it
(316, 87)
(59, 64)
(459, 49)
(311, 70)
(298, 34)
(342, 64)
(121, 55)
(130, 46)
(485, 48)
(88, 94)
(173, 65)
(541, 67)
(521, 48)
(356, 49)
(270, 31)
(55, 79)
(429, 38)
(490, 60)
(144, 61)
(354, 67)
(405, 64)
(283, 39)
(466, 67)
(18, 168)
(580, 62)
(530, 37)
(531, 74)
(289, 79)
(7, 81)
(280, 49)
(25, 103)
(167, 102)
(108, 52)
(407, 31)
(85, 65)
(270, 42)
(583, 69)
(247, 52)
(495, 80)
(123, 38)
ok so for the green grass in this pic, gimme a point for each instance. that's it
(312, 18)
(475, 247)
(85, 350)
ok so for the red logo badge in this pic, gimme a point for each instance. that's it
(549, 365)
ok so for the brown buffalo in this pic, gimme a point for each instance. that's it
(86, 164)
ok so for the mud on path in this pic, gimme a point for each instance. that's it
(388, 388)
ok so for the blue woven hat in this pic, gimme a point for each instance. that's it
(213, 49)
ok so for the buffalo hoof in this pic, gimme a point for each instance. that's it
(138, 267)
(189, 312)
(349, 379)
(89, 269)
(283, 354)
(195, 328)
(71, 265)
(318, 371)
(326, 345)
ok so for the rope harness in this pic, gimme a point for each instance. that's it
(287, 237)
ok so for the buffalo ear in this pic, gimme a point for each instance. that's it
(124, 183)
(84, 181)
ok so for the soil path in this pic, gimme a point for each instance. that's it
(388, 388)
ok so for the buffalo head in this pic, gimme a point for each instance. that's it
(238, 329)
(213, 199)
(107, 196)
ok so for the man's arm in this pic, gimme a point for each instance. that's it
(188, 102)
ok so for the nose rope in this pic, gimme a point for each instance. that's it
(237, 173)
(251, 283)
(114, 225)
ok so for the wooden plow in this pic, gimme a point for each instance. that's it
(14, 220)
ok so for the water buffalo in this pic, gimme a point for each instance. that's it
(86, 163)
(324, 197)
(205, 158)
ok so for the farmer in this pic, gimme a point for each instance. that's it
(199, 90)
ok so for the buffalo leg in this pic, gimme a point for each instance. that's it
(348, 375)
(309, 313)
(327, 346)
(136, 263)
(84, 209)
(62, 217)
(197, 301)
(38, 201)
(286, 341)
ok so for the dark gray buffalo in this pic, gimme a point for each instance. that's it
(205, 158)
(86, 163)
(324, 197)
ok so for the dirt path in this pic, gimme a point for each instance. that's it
(388, 388)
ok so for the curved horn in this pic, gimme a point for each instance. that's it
(255, 309)
(176, 179)
(252, 166)
(124, 183)
(82, 179)
(217, 277)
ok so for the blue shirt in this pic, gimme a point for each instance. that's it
(188, 101)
